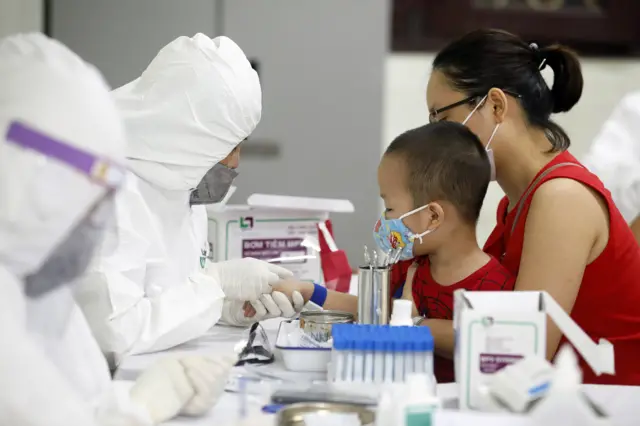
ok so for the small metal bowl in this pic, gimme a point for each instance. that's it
(318, 324)
(294, 414)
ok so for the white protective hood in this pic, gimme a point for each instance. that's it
(198, 99)
(47, 87)
(614, 156)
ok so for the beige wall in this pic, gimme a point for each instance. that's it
(20, 16)
(606, 81)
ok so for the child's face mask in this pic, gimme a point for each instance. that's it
(393, 233)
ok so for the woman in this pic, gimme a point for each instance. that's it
(558, 229)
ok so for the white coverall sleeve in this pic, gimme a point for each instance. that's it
(35, 393)
(614, 156)
(125, 317)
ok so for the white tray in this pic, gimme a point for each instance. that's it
(299, 358)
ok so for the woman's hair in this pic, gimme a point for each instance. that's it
(484, 59)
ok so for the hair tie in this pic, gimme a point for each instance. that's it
(542, 60)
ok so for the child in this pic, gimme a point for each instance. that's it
(433, 180)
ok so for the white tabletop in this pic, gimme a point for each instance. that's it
(622, 402)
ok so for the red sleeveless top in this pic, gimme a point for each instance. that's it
(608, 302)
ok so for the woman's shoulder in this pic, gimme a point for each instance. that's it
(568, 183)
(572, 201)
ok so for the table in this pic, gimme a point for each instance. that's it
(623, 402)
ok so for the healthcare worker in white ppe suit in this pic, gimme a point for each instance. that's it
(61, 146)
(185, 118)
(615, 157)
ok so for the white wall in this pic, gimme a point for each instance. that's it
(606, 81)
(20, 16)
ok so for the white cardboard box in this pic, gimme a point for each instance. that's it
(495, 329)
(272, 226)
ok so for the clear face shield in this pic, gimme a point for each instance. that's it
(58, 166)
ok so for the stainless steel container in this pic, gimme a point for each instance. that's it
(318, 324)
(294, 414)
(373, 295)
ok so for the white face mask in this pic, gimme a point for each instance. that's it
(492, 160)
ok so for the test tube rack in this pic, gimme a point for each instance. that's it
(379, 354)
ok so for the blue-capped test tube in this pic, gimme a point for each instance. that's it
(398, 355)
(338, 354)
(388, 346)
(369, 356)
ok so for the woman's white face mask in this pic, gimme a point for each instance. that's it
(492, 160)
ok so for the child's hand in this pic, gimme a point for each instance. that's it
(298, 292)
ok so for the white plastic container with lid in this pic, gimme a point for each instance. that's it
(401, 315)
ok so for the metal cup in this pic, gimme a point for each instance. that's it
(373, 295)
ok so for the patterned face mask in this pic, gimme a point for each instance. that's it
(394, 234)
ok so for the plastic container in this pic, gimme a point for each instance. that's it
(565, 399)
(298, 358)
(401, 315)
(418, 402)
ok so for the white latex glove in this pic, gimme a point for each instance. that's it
(247, 278)
(274, 305)
(233, 311)
(208, 376)
(189, 385)
(289, 308)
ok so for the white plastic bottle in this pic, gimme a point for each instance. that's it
(401, 315)
(419, 402)
(385, 412)
(565, 404)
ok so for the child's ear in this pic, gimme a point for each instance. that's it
(436, 215)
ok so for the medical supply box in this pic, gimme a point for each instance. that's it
(272, 227)
(494, 329)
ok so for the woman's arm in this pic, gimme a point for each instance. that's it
(566, 229)
(635, 228)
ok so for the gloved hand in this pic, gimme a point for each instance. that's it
(290, 308)
(247, 279)
(208, 375)
(275, 305)
(189, 385)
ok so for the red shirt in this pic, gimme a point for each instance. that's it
(608, 302)
(436, 301)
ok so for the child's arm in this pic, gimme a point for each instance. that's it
(407, 290)
(334, 300)
(442, 332)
